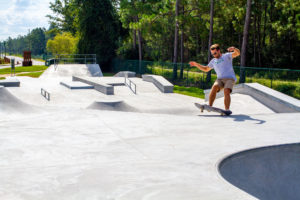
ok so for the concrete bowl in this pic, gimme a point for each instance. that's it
(266, 173)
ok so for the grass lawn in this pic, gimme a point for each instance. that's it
(189, 91)
(291, 88)
(38, 59)
(32, 74)
(108, 74)
(2, 78)
(24, 69)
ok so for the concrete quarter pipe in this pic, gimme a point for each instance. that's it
(266, 173)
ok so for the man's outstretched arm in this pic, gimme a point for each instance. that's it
(201, 67)
(236, 52)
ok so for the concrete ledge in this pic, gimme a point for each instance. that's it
(10, 82)
(276, 101)
(125, 74)
(76, 85)
(98, 85)
(160, 82)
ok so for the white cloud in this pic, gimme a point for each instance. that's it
(17, 17)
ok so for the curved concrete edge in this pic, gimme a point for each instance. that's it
(9, 102)
(276, 101)
(160, 82)
(267, 172)
(114, 105)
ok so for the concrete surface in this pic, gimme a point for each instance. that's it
(266, 173)
(76, 85)
(125, 74)
(97, 83)
(160, 82)
(85, 145)
(69, 70)
(10, 82)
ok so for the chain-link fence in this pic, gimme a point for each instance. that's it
(283, 80)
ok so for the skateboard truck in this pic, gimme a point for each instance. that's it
(208, 108)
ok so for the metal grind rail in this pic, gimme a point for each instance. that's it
(45, 94)
(130, 84)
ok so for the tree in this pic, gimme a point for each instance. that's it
(66, 15)
(176, 40)
(98, 30)
(211, 25)
(38, 41)
(62, 44)
(245, 42)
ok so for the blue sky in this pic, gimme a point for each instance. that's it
(17, 17)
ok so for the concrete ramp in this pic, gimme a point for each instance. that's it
(9, 103)
(276, 101)
(266, 173)
(116, 105)
(69, 70)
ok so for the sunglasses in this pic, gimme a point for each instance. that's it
(213, 48)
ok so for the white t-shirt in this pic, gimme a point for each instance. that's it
(223, 66)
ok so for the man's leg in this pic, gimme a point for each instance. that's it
(212, 95)
(227, 98)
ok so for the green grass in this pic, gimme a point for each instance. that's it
(38, 59)
(108, 74)
(291, 88)
(24, 69)
(31, 74)
(2, 78)
(189, 91)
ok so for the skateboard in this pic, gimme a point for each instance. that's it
(212, 109)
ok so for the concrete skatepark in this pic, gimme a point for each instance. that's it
(74, 134)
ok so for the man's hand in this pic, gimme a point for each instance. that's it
(236, 52)
(201, 67)
(193, 64)
(231, 49)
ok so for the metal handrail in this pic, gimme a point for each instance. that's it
(45, 94)
(75, 57)
(130, 84)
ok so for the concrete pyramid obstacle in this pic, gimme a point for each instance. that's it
(69, 70)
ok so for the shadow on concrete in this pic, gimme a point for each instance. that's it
(238, 118)
(266, 173)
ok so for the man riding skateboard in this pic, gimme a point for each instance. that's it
(222, 64)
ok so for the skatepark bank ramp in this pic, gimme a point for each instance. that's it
(9, 103)
(69, 70)
(266, 173)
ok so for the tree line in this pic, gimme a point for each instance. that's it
(267, 31)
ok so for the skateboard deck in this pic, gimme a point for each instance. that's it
(212, 109)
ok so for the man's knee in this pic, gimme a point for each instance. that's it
(215, 88)
(227, 91)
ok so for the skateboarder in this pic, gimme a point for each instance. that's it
(222, 64)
